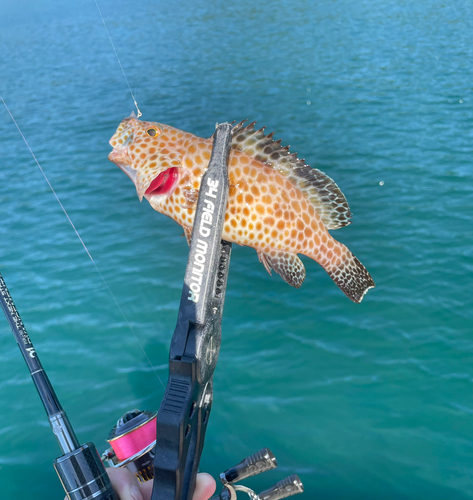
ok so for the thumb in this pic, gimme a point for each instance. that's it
(204, 487)
(125, 484)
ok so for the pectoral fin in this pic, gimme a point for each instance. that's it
(287, 265)
(187, 234)
(191, 196)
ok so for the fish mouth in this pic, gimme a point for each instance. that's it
(120, 157)
(164, 183)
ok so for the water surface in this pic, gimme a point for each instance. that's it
(362, 401)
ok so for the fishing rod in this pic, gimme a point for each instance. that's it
(80, 469)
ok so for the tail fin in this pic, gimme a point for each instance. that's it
(352, 277)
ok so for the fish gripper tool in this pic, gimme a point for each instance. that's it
(184, 412)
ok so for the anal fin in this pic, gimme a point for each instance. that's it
(287, 265)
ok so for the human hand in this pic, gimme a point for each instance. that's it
(128, 487)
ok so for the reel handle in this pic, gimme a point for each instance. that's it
(261, 461)
(287, 487)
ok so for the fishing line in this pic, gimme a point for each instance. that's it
(81, 240)
(119, 62)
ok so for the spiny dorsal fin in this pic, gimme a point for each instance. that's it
(322, 192)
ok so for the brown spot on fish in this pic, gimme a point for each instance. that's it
(266, 199)
(260, 209)
(262, 179)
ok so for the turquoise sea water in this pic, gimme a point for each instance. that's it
(370, 401)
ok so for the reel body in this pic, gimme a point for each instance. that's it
(133, 442)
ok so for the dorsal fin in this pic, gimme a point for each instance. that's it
(322, 192)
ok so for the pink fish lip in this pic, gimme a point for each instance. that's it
(163, 184)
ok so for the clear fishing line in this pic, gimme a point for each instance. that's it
(81, 240)
(119, 62)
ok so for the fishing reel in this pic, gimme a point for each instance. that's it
(133, 441)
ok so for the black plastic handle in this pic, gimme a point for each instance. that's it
(287, 487)
(259, 462)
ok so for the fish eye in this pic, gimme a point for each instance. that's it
(152, 132)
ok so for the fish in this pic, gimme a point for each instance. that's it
(277, 204)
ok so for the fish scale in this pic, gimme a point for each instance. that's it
(277, 204)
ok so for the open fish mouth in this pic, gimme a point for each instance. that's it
(164, 183)
(118, 155)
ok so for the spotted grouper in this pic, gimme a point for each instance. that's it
(277, 204)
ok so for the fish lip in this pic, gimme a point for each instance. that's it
(119, 155)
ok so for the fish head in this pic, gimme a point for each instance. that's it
(145, 152)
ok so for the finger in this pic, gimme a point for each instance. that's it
(204, 487)
(125, 484)
(128, 487)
